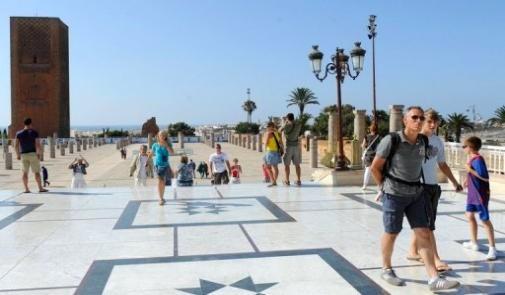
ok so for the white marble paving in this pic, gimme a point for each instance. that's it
(52, 248)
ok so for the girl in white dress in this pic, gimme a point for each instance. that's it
(78, 167)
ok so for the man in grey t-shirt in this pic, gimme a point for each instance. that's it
(403, 195)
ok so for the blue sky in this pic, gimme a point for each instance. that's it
(193, 60)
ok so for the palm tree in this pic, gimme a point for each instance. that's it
(301, 97)
(499, 118)
(249, 106)
(456, 122)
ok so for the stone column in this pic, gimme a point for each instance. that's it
(313, 152)
(5, 145)
(395, 117)
(240, 140)
(332, 132)
(180, 137)
(42, 148)
(71, 147)
(149, 141)
(260, 142)
(84, 143)
(62, 149)
(78, 144)
(95, 143)
(52, 149)
(90, 143)
(254, 142)
(356, 155)
(212, 140)
(8, 161)
(249, 141)
(359, 125)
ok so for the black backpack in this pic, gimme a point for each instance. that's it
(395, 142)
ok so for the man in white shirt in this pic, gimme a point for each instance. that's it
(218, 166)
(432, 189)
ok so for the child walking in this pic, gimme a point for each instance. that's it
(236, 170)
(477, 182)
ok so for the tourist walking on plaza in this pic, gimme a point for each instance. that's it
(78, 167)
(184, 173)
(219, 166)
(161, 151)
(28, 151)
(45, 176)
(293, 153)
(369, 145)
(141, 167)
(397, 169)
(432, 190)
(274, 150)
(236, 170)
(201, 169)
(193, 166)
(477, 182)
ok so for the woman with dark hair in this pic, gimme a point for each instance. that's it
(369, 145)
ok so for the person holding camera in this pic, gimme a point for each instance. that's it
(274, 151)
(78, 167)
(293, 154)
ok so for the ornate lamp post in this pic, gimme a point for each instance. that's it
(338, 66)
(371, 35)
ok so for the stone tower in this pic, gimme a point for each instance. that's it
(40, 75)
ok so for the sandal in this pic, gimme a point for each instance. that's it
(43, 190)
(162, 202)
(414, 258)
(272, 184)
(298, 183)
(443, 268)
(26, 192)
(286, 182)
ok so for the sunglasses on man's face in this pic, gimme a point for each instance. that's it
(416, 117)
(465, 146)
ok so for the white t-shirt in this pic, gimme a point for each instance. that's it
(142, 164)
(218, 162)
(436, 155)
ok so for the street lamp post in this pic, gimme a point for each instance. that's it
(371, 35)
(338, 66)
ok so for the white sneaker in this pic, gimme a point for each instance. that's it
(471, 245)
(491, 255)
(363, 188)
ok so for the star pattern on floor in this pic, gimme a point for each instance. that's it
(247, 283)
(200, 207)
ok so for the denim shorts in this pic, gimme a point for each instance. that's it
(414, 207)
(162, 172)
(273, 158)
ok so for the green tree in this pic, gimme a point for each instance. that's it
(249, 107)
(320, 126)
(383, 118)
(456, 122)
(304, 119)
(246, 127)
(302, 97)
(174, 129)
(499, 117)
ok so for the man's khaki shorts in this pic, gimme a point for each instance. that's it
(292, 155)
(30, 160)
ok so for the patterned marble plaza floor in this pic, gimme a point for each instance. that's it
(236, 239)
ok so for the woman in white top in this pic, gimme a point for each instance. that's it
(78, 167)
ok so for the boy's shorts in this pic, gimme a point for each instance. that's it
(481, 208)
(432, 193)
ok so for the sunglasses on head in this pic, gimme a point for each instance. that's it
(416, 117)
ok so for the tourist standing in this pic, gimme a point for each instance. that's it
(193, 166)
(161, 151)
(399, 178)
(184, 173)
(219, 166)
(201, 169)
(78, 167)
(293, 153)
(28, 151)
(369, 145)
(477, 182)
(141, 167)
(436, 159)
(274, 151)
